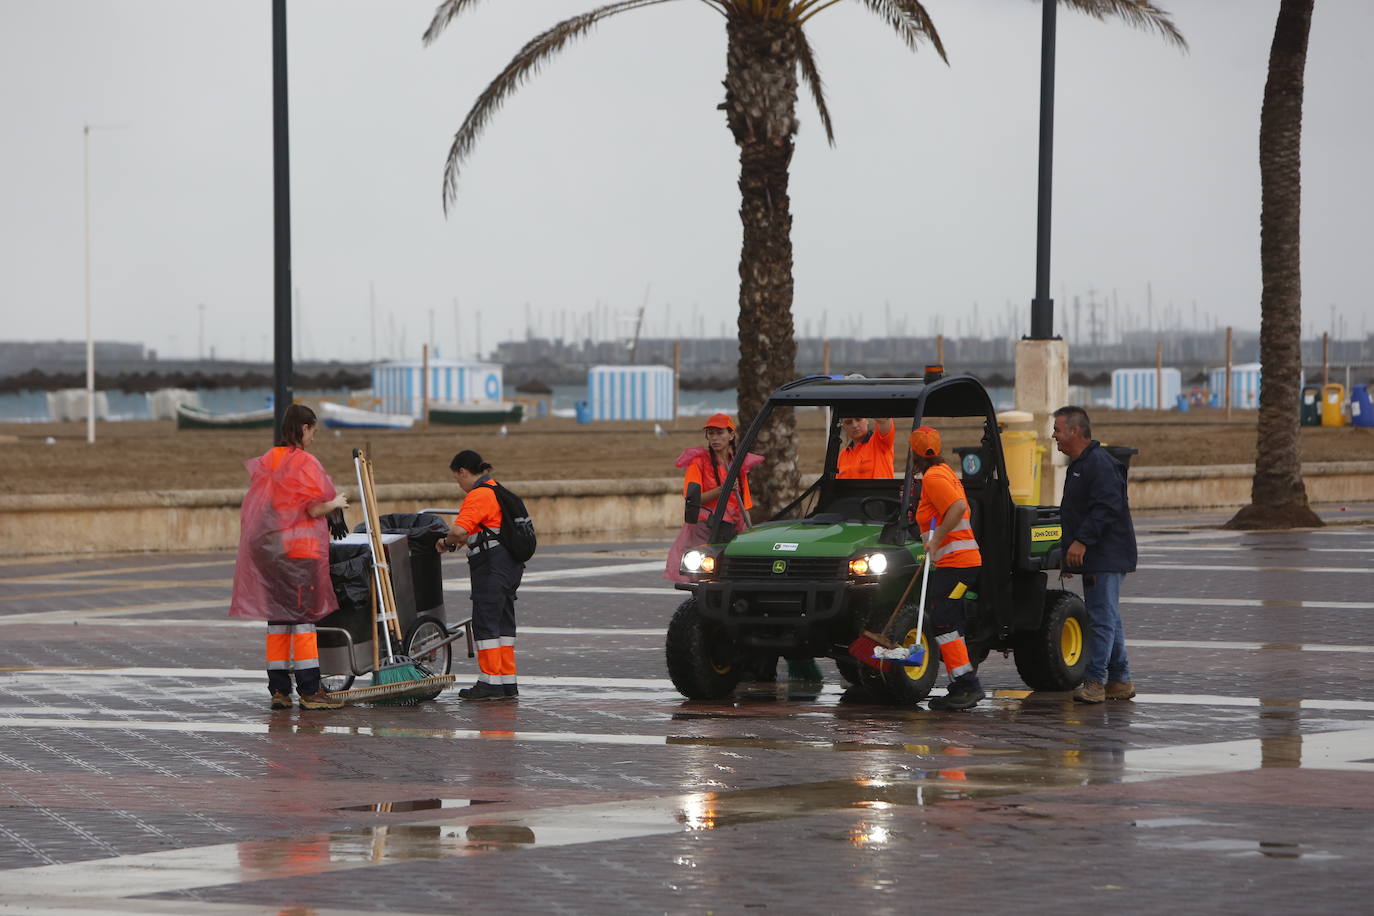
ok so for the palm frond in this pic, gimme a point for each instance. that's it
(525, 64)
(910, 21)
(1142, 14)
(811, 75)
(446, 13)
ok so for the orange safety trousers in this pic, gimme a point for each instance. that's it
(496, 660)
(292, 648)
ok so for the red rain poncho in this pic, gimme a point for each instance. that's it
(283, 564)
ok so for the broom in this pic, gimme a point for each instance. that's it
(394, 669)
(865, 648)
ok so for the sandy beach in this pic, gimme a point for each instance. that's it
(154, 455)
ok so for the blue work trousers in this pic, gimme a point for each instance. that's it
(1106, 636)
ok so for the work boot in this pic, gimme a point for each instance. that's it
(484, 691)
(1090, 692)
(512, 691)
(319, 700)
(960, 696)
(280, 700)
(1120, 690)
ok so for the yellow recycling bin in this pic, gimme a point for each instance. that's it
(1333, 404)
(1023, 456)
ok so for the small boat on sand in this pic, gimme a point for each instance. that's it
(489, 413)
(341, 416)
(197, 418)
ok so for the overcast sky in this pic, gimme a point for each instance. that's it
(611, 176)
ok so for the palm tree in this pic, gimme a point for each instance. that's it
(765, 55)
(1278, 498)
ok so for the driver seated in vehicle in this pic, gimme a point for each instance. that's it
(867, 454)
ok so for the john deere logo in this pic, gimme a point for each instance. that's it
(779, 566)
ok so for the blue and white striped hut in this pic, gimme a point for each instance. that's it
(450, 382)
(630, 392)
(1245, 385)
(1135, 389)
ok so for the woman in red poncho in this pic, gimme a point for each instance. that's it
(707, 466)
(282, 573)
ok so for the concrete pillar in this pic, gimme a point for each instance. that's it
(1042, 387)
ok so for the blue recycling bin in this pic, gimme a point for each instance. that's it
(584, 411)
(1361, 410)
(1183, 403)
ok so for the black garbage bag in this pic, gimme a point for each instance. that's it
(350, 572)
(422, 532)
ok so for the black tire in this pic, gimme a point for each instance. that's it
(702, 663)
(903, 685)
(426, 631)
(1055, 656)
(849, 670)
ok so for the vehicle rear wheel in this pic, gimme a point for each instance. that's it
(702, 663)
(904, 685)
(1055, 656)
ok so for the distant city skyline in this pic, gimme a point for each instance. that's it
(591, 194)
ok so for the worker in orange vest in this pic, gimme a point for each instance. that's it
(867, 453)
(957, 563)
(495, 576)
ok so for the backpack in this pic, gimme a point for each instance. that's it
(517, 528)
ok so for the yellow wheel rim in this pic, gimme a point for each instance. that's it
(721, 669)
(1071, 642)
(916, 672)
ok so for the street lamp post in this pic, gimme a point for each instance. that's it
(90, 332)
(90, 338)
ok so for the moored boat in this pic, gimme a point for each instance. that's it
(341, 416)
(487, 413)
(197, 418)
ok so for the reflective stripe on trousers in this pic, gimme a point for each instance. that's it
(292, 647)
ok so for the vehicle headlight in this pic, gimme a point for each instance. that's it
(692, 561)
(874, 564)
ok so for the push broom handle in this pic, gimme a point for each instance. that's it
(925, 580)
(374, 546)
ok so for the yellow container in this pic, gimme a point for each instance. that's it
(1333, 405)
(1024, 457)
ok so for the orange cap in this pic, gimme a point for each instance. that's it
(720, 421)
(925, 441)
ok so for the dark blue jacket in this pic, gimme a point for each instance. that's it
(1095, 511)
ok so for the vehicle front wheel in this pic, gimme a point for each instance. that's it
(904, 685)
(701, 661)
(1055, 656)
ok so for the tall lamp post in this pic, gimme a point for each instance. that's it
(1042, 359)
(90, 332)
(281, 208)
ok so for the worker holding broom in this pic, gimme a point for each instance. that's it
(495, 576)
(954, 551)
(282, 573)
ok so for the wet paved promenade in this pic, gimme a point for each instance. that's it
(141, 771)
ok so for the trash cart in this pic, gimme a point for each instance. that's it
(1310, 413)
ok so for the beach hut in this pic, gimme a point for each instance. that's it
(1136, 389)
(398, 384)
(70, 404)
(1245, 385)
(630, 392)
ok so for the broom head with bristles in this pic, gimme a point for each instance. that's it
(412, 691)
(399, 669)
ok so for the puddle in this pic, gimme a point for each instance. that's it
(1237, 847)
(417, 804)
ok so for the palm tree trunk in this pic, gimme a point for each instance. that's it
(760, 108)
(1278, 498)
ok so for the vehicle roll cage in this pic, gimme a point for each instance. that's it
(953, 396)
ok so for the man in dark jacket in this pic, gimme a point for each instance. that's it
(1100, 541)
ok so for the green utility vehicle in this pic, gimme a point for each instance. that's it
(836, 561)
